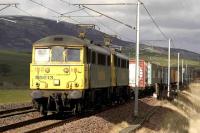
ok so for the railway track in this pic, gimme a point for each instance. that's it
(52, 121)
(52, 125)
(19, 112)
(15, 110)
(23, 123)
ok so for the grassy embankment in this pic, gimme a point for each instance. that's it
(14, 96)
(14, 77)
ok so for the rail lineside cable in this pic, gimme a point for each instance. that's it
(52, 10)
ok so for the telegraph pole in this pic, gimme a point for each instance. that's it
(178, 78)
(168, 89)
(137, 60)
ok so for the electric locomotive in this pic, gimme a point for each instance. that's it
(70, 74)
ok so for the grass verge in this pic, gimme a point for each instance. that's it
(14, 96)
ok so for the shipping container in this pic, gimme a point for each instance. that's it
(143, 75)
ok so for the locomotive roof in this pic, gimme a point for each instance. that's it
(65, 40)
(122, 56)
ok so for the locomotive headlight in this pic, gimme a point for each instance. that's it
(56, 82)
(66, 70)
(47, 70)
(37, 85)
(76, 85)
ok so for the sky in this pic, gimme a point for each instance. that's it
(178, 19)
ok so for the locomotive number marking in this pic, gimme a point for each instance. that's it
(44, 77)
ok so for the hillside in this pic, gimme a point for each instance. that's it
(21, 35)
(16, 43)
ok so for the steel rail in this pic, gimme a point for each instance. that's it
(17, 113)
(24, 123)
(15, 110)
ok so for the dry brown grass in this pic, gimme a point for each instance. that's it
(180, 116)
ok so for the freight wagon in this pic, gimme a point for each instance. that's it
(150, 76)
(153, 77)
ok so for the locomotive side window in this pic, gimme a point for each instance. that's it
(57, 54)
(88, 55)
(93, 57)
(73, 54)
(115, 60)
(123, 63)
(42, 55)
(118, 62)
(127, 64)
(108, 60)
(101, 59)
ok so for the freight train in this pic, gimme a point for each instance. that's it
(153, 78)
(70, 74)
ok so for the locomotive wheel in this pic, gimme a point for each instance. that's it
(35, 104)
(80, 109)
(42, 110)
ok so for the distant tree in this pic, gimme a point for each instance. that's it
(4, 69)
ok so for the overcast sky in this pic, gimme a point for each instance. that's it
(178, 19)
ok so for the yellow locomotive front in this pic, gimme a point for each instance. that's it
(58, 70)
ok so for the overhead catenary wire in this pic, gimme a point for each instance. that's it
(4, 7)
(10, 4)
(106, 4)
(101, 23)
(73, 11)
(153, 40)
(108, 28)
(153, 20)
(158, 27)
(127, 25)
(23, 11)
(151, 17)
(70, 16)
(45, 7)
(52, 10)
